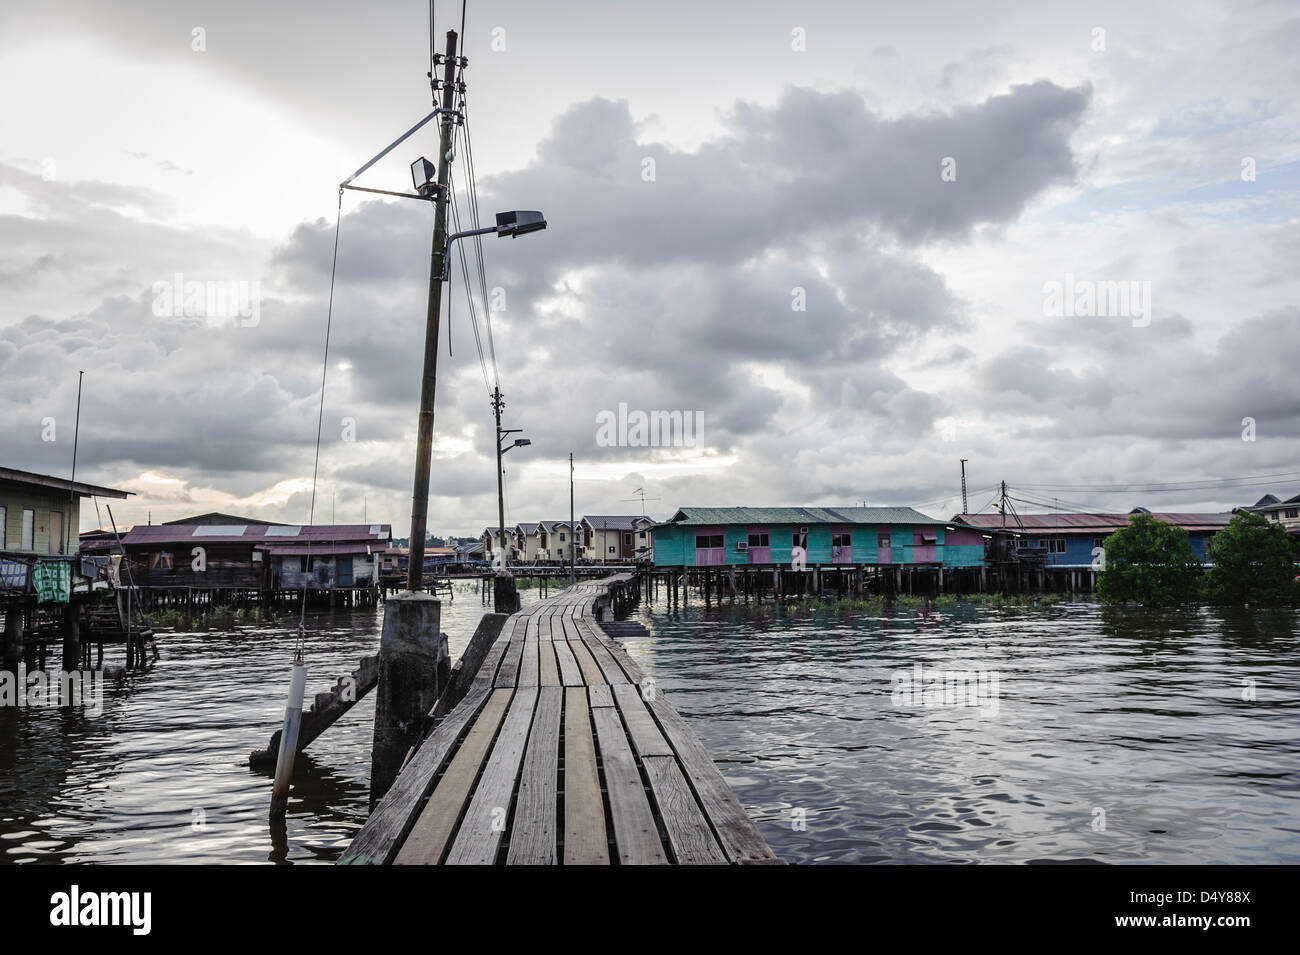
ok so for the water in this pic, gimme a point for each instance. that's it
(162, 775)
(1135, 714)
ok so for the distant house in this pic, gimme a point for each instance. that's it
(40, 514)
(256, 556)
(707, 536)
(1070, 540)
(616, 538)
(528, 542)
(557, 540)
(488, 544)
(1284, 512)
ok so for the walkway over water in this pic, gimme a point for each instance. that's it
(560, 752)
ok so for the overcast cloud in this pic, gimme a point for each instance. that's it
(839, 260)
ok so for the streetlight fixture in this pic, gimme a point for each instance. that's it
(509, 224)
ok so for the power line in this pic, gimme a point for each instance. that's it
(1197, 485)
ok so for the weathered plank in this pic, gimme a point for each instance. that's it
(548, 674)
(532, 829)
(600, 695)
(570, 674)
(641, 727)
(528, 672)
(635, 833)
(433, 829)
(689, 835)
(479, 836)
(508, 675)
(585, 839)
(379, 838)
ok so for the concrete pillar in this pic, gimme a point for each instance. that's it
(505, 595)
(414, 663)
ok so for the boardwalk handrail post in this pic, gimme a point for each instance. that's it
(505, 591)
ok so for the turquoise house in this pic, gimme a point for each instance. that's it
(828, 536)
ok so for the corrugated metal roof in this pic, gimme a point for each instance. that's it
(615, 522)
(322, 550)
(252, 533)
(800, 515)
(1084, 523)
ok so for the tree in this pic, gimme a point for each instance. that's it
(1254, 562)
(1148, 562)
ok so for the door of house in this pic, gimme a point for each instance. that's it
(759, 547)
(883, 548)
(841, 545)
(344, 574)
(710, 547)
(56, 532)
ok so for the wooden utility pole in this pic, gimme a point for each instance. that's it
(965, 508)
(573, 533)
(424, 431)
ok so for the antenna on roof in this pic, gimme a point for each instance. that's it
(641, 491)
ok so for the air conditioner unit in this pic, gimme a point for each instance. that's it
(742, 545)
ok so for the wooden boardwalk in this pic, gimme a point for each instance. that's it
(560, 752)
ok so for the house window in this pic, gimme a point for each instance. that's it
(302, 565)
(561, 538)
(1056, 545)
(703, 541)
(1293, 512)
(758, 540)
(29, 527)
(641, 535)
(1099, 542)
(841, 540)
(627, 540)
(882, 540)
(161, 561)
(611, 549)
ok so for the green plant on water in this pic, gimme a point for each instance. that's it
(1254, 563)
(1150, 563)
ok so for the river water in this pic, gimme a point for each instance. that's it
(1114, 736)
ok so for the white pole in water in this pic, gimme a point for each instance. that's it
(289, 738)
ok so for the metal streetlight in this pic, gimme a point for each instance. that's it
(505, 597)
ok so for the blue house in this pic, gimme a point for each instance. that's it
(829, 536)
(1068, 540)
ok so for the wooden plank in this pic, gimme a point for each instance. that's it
(508, 675)
(548, 674)
(487, 673)
(585, 840)
(736, 832)
(479, 836)
(532, 830)
(689, 835)
(433, 830)
(600, 695)
(604, 659)
(382, 834)
(635, 833)
(570, 674)
(528, 664)
(641, 727)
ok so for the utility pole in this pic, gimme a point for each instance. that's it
(505, 595)
(424, 430)
(964, 508)
(1003, 506)
(72, 491)
(573, 539)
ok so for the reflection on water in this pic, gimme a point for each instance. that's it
(163, 776)
(1136, 714)
(1139, 715)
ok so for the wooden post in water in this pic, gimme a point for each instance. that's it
(411, 654)
(71, 637)
(289, 738)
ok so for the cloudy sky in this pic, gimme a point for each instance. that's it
(840, 232)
